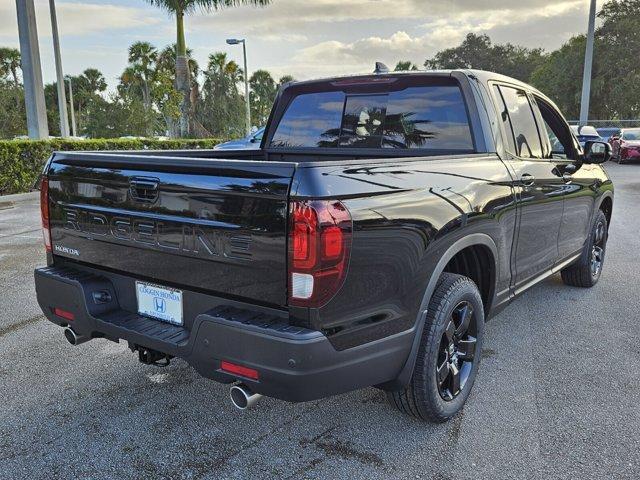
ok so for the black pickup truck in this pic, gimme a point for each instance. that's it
(384, 219)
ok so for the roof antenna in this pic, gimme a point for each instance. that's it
(381, 68)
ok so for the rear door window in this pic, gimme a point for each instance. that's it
(429, 117)
(519, 116)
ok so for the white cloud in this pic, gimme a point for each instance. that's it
(75, 18)
(303, 38)
(538, 25)
(286, 17)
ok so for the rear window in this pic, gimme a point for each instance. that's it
(428, 117)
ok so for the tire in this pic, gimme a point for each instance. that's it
(431, 394)
(587, 270)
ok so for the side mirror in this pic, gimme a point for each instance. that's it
(597, 152)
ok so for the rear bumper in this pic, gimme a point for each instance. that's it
(294, 363)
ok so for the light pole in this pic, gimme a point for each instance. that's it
(62, 100)
(31, 70)
(588, 62)
(236, 41)
(73, 113)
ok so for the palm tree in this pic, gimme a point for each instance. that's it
(285, 79)
(222, 105)
(229, 70)
(131, 83)
(180, 8)
(167, 62)
(263, 92)
(10, 63)
(86, 92)
(96, 82)
(405, 66)
(143, 57)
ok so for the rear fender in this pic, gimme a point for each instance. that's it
(474, 239)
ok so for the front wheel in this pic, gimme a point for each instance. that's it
(449, 352)
(588, 268)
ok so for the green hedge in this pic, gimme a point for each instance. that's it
(21, 161)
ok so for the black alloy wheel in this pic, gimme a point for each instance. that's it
(449, 353)
(585, 272)
(597, 250)
(456, 352)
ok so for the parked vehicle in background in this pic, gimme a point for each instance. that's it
(585, 133)
(250, 142)
(385, 218)
(626, 146)
(607, 132)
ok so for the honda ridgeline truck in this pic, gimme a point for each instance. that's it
(384, 219)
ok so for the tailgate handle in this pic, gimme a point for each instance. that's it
(144, 189)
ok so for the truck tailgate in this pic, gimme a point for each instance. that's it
(211, 225)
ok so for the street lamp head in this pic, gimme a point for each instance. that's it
(234, 41)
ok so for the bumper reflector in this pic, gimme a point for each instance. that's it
(239, 370)
(64, 314)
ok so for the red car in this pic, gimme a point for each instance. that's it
(626, 146)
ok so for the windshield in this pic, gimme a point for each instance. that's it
(421, 117)
(631, 134)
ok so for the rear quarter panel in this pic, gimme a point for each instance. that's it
(406, 214)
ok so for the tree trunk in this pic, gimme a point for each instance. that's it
(16, 87)
(146, 96)
(183, 82)
(146, 100)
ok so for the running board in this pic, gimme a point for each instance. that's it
(546, 274)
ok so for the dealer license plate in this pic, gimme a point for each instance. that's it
(159, 302)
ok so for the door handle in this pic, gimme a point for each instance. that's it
(567, 177)
(527, 180)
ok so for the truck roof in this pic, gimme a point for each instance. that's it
(481, 75)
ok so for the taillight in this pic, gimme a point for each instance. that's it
(319, 247)
(44, 213)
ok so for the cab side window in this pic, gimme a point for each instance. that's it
(557, 148)
(562, 144)
(520, 122)
(506, 123)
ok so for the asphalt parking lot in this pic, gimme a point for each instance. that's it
(557, 396)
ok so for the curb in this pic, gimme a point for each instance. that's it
(20, 197)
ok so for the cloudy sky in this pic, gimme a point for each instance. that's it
(300, 37)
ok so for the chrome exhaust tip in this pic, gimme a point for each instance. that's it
(73, 338)
(242, 397)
